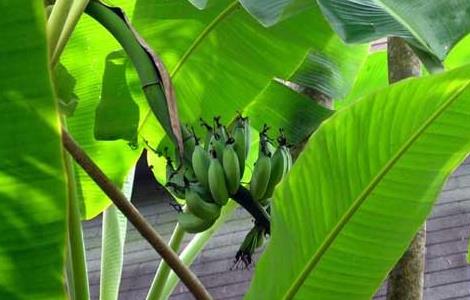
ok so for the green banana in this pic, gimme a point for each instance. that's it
(218, 145)
(238, 135)
(244, 123)
(201, 161)
(231, 168)
(192, 224)
(216, 179)
(261, 174)
(279, 163)
(199, 207)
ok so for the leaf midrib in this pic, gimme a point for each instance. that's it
(356, 204)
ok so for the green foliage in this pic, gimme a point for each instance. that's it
(432, 27)
(220, 59)
(366, 182)
(32, 178)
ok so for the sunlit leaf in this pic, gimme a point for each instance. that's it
(32, 180)
(366, 181)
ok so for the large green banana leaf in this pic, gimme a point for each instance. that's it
(32, 179)
(433, 27)
(220, 59)
(365, 182)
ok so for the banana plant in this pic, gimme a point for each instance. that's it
(432, 28)
(221, 52)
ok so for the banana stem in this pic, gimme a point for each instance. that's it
(134, 217)
(160, 279)
(56, 22)
(243, 197)
(77, 270)
(74, 14)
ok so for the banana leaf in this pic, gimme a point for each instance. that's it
(366, 181)
(33, 193)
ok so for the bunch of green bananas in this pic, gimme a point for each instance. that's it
(271, 166)
(210, 172)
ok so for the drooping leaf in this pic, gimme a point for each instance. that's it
(113, 240)
(32, 178)
(154, 78)
(270, 12)
(117, 115)
(433, 27)
(281, 107)
(366, 182)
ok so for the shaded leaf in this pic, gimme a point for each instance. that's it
(269, 12)
(64, 90)
(433, 27)
(366, 182)
(117, 115)
(280, 107)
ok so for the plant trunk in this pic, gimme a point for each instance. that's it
(406, 280)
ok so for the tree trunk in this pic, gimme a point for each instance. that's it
(406, 280)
